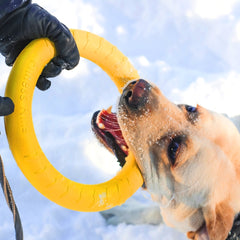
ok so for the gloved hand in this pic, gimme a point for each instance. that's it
(29, 22)
(6, 106)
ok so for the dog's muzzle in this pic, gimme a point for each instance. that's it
(136, 94)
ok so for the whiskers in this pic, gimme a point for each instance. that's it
(176, 195)
(166, 205)
(188, 188)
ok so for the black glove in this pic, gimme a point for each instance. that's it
(29, 22)
(6, 106)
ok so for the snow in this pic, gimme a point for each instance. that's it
(190, 49)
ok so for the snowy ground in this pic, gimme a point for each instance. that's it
(190, 49)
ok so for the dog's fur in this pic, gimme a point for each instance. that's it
(196, 181)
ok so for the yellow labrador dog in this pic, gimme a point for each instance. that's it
(189, 158)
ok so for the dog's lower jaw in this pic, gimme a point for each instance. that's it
(182, 217)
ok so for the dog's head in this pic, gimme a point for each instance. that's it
(188, 156)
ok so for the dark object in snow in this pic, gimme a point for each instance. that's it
(234, 234)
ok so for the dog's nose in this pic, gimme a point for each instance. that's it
(136, 93)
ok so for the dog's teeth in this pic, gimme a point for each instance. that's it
(101, 125)
(109, 110)
(124, 148)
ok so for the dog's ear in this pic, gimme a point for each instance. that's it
(218, 220)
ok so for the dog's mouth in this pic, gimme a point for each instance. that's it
(107, 130)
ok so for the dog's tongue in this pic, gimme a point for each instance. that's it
(105, 126)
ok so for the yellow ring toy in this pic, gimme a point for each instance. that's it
(23, 141)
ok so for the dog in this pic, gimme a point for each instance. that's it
(189, 158)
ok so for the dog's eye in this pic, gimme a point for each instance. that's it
(191, 109)
(192, 114)
(173, 149)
